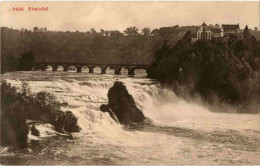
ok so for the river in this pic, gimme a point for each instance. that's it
(182, 132)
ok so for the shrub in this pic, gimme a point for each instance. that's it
(17, 106)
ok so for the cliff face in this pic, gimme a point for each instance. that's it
(122, 104)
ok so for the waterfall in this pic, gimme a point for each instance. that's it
(85, 93)
(182, 132)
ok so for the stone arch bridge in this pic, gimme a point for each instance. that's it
(117, 67)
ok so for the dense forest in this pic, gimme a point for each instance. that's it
(219, 71)
(224, 70)
(112, 47)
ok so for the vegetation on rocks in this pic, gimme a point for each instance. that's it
(219, 71)
(19, 105)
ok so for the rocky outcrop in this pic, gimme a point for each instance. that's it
(122, 105)
(19, 106)
(65, 122)
(14, 129)
(105, 108)
(35, 131)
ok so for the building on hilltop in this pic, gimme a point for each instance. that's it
(217, 26)
(216, 32)
(205, 32)
(230, 29)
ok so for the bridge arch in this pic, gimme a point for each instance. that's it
(70, 68)
(110, 70)
(54, 67)
(60, 68)
(140, 72)
(133, 70)
(118, 69)
(97, 69)
(94, 69)
(124, 71)
(85, 68)
(49, 67)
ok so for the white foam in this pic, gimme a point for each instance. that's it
(84, 94)
(45, 130)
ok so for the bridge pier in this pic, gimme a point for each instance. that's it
(79, 69)
(65, 68)
(103, 69)
(43, 67)
(91, 69)
(117, 70)
(131, 72)
(54, 67)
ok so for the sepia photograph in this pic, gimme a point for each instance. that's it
(130, 83)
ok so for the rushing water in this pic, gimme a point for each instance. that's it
(182, 132)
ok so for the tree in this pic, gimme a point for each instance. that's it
(41, 30)
(165, 32)
(155, 32)
(115, 33)
(102, 31)
(26, 61)
(93, 31)
(246, 34)
(35, 29)
(9, 64)
(131, 31)
(187, 36)
(146, 31)
(107, 33)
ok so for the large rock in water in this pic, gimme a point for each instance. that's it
(122, 104)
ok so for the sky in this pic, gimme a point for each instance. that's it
(82, 16)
